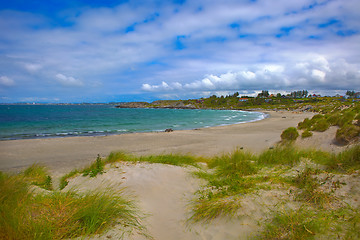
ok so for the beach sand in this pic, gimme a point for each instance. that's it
(62, 155)
(163, 191)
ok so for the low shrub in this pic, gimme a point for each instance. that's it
(320, 126)
(306, 134)
(289, 134)
(346, 118)
(334, 119)
(347, 134)
(306, 124)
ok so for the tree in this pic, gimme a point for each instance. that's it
(264, 93)
(350, 93)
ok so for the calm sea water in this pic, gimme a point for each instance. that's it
(39, 121)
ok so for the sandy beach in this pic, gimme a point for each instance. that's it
(164, 192)
(61, 155)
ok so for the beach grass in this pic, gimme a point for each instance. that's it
(97, 167)
(25, 214)
(310, 223)
(318, 213)
(39, 176)
(229, 179)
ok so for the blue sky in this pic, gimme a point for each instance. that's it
(103, 51)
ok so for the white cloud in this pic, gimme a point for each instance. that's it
(227, 44)
(68, 81)
(6, 81)
(287, 76)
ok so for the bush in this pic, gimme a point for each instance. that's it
(346, 118)
(320, 126)
(347, 134)
(306, 134)
(306, 124)
(333, 119)
(289, 134)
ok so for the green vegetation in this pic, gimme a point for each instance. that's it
(38, 175)
(221, 195)
(284, 155)
(59, 215)
(347, 134)
(232, 177)
(97, 167)
(289, 134)
(308, 223)
(94, 169)
(27, 214)
(346, 117)
(306, 134)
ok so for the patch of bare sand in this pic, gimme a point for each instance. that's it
(321, 140)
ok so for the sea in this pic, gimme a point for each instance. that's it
(49, 121)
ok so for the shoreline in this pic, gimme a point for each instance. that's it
(62, 155)
(103, 133)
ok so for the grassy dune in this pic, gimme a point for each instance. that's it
(49, 214)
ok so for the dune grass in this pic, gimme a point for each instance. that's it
(231, 177)
(97, 167)
(39, 176)
(59, 215)
(289, 134)
(309, 223)
(170, 159)
(280, 155)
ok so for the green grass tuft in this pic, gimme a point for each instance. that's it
(208, 210)
(306, 134)
(320, 126)
(94, 169)
(236, 164)
(38, 175)
(283, 154)
(59, 215)
(306, 124)
(347, 134)
(289, 134)
(64, 179)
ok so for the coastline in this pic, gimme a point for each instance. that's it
(61, 155)
(96, 125)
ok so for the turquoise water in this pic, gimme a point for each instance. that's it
(39, 121)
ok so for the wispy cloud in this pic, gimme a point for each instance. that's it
(68, 81)
(6, 81)
(194, 46)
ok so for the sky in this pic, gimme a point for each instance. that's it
(137, 50)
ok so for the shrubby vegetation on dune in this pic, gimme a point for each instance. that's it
(289, 134)
(26, 214)
(344, 117)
